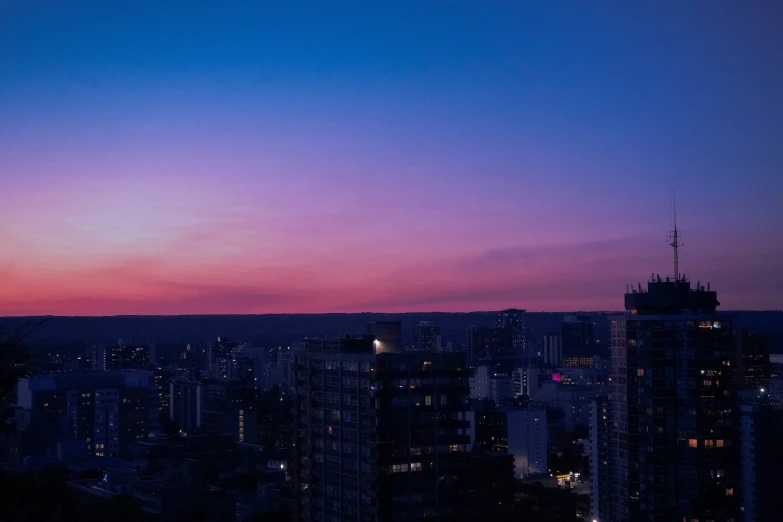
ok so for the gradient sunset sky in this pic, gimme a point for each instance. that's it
(253, 157)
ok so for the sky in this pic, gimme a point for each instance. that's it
(275, 157)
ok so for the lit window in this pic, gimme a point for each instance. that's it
(416, 466)
(427, 365)
(729, 492)
(693, 443)
(428, 400)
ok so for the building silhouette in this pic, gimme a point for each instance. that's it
(120, 357)
(577, 340)
(761, 424)
(671, 450)
(515, 321)
(107, 410)
(379, 436)
(427, 336)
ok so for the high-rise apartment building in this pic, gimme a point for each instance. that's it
(120, 357)
(108, 410)
(380, 436)
(551, 350)
(601, 506)
(515, 321)
(673, 409)
(752, 361)
(427, 336)
(491, 346)
(187, 400)
(577, 338)
(762, 458)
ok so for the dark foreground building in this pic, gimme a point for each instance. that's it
(672, 451)
(380, 436)
(762, 459)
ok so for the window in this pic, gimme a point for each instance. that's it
(709, 443)
(719, 443)
(729, 492)
(444, 399)
(416, 466)
(415, 451)
(693, 443)
(399, 468)
(426, 365)
(428, 400)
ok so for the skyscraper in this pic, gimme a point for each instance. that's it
(762, 457)
(491, 346)
(752, 360)
(427, 336)
(380, 436)
(515, 322)
(551, 350)
(601, 506)
(672, 452)
(578, 340)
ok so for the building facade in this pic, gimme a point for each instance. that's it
(673, 408)
(515, 322)
(491, 346)
(107, 410)
(380, 436)
(521, 433)
(762, 459)
(427, 336)
(577, 337)
(120, 357)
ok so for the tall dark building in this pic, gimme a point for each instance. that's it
(515, 321)
(673, 408)
(577, 338)
(762, 460)
(427, 336)
(380, 436)
(601, 505)
(752, 361)
(492, 347)
(186, 404)
(551, 350)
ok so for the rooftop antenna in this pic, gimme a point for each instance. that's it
(674, 235)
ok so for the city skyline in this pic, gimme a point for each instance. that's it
(387, 159)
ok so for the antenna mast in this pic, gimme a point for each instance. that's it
(674, 235)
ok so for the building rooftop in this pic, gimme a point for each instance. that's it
(671, 297)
